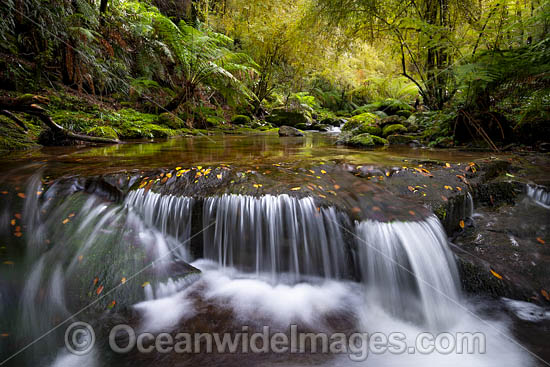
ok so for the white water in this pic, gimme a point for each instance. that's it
(279, 260)
(540, 195)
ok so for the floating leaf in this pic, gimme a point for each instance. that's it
(411, 189)
(412, 212)
(447, 187)
(545, 294)
(123, 280)
(219, 176)
(336, 187)
(356, 210)
(495, 274)
(21, 195)
(296, 188)
(18, 234)
(540, 240)
(111, 305)
(461, 224)
(72, 215)
(65, 221)
(145, 284)
(510, 175)
(17, 215)
(323, 171)
(178, 168)
(99, 290)
(12, 222)
(447, 165)
(96, 279)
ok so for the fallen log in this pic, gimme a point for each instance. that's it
(29, 104)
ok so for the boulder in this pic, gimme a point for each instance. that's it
(369, 129)
(367, 141)
(398, 139)
(358, 120)
(280, 117)
(393, 129)
(392, 120)
(289, 131)
(240, 120)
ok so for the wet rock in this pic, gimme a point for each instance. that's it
(367, 141)
(289, 131)
(397, 139)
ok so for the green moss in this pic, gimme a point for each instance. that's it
(362, 140)
(394, 129)
(367, 128)
(103, 132)
(171, 120)
(358, 120)
(12, 137)
(378, 140)
(241, 120)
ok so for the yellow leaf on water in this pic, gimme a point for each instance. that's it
(72, 215)
(411, 189)
(12, 222)
(219, 176)
(447, 165)
(145, 284)
(495, 274)
(540, 240)
(461, 224)
(178, 168)
(323, 171)
(336, 187)
(199, 167)
(169, 174)
(296, 188)
(65, 221)
(123, 280)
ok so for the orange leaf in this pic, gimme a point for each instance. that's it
(461, 224)
(21, 195)
(336, 187)
(12, 222)
(17, 215)
(412, 212)
(495, 274)
(356, 209)
(545, 294)
(65, 221)
(123, 280)
(411, 189)
(99, 290)
(96, 279)
(540, 240)
(18, 234)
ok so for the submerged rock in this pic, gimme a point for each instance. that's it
(397, 139)
(367, 140)
(289, 131)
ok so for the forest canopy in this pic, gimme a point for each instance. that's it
(475, 69)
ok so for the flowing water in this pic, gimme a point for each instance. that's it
(164, 262)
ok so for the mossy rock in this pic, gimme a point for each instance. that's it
(280, 117)
(359, 120)
(12, 137)
(392, 120)
(404, 113)
(369, 129)
(241, 120)
(367, 141)
(397, 139)
(302, 126)
(393, 129)
(171, 120)
(103, 132)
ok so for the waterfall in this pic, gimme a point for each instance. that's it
(406, 261)
(277, 235)
(539, 194)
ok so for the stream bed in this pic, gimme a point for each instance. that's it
(386, 257)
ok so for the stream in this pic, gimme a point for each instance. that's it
(236, 235)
